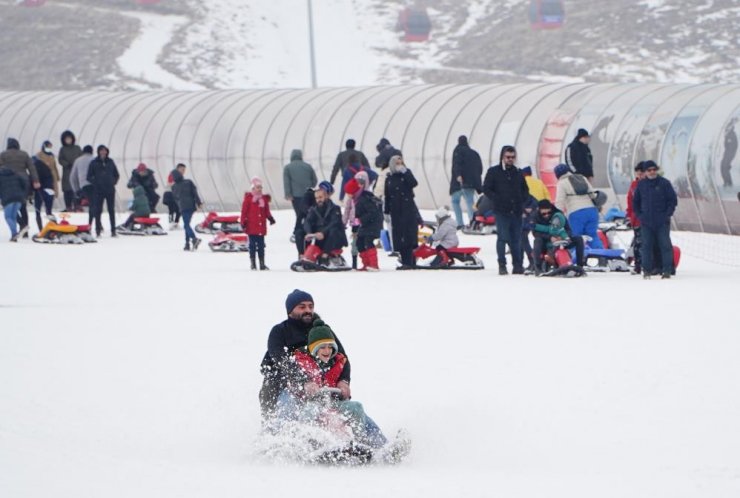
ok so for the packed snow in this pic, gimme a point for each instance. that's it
(130, 368)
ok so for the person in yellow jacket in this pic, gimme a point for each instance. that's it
(537, 188)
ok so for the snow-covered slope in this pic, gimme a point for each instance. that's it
(237, 44)
(130, 368)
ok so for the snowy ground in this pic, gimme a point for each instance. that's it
(129, 368)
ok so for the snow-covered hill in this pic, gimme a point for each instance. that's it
(130, 369)
(236, 44)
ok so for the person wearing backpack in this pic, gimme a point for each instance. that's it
(575, 198)
(354, 166)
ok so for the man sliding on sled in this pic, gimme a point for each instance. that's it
(551, 228)
(307, 384)
(318, 366)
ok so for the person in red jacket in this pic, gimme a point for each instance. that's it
(320, 365)
(634, 221)
(255, 215)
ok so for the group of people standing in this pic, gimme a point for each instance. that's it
(372, 199)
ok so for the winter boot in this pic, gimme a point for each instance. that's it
(196, 243)
(187, 245)
(252, 262)
(372, 260)
(363, 259)
(262, 263)
(502, 270)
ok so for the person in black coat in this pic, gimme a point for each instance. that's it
(578, 155)
(465, 181)
(654, 202)
(324, 222)
(728, 156)
(369, 212)
(13, 192)
(401, 208)
(506, 187)
(188, 200)
(103, 176)
(145, 177)
(385, 152)
(286, 337)
(343, 161)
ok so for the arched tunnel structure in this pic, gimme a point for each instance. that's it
(227, 137)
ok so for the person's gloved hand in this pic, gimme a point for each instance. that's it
(271, 220)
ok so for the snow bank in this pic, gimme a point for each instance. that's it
(130, 368)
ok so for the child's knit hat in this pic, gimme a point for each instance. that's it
(319, 335)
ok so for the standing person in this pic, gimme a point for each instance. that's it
(78, 180)
(20, 162)
(574, 198)
(188, 200)
(725, 167)
(306, 203)
(43, 197)
(298, 176)
(400, 208)
(634, 220)
(578, 155)
(169, 200)
(343, 160)
(465, 181)
(385, 152)
(654, 202)
(537, 188)
(255, 215)
(68, 154)
(369, 214)
(506, 187)
(285, 338)
(354, 167)
(13, 193)
(103, 176)
(145, 177)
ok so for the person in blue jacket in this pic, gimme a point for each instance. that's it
(654, 203)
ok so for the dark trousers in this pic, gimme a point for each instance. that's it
(187, 215)
(527, 247)
(365, 242)
(257, 246)
(509, 231)
(69, 200)
(407, 256)
(23, 214)
(88, 192)
(660, 238)
(172, 207)
(42, 200)
(297, 205)
(637, 248)
(109, 199)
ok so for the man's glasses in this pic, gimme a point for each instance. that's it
(510, 157)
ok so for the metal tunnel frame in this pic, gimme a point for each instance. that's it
(227, 137)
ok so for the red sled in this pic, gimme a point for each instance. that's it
(229, 242)
(217, 223)
(455, 258)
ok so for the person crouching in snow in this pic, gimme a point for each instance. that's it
(141, 207)
(445, 236)
(368, 212)
(255, 215)
(320, 365)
